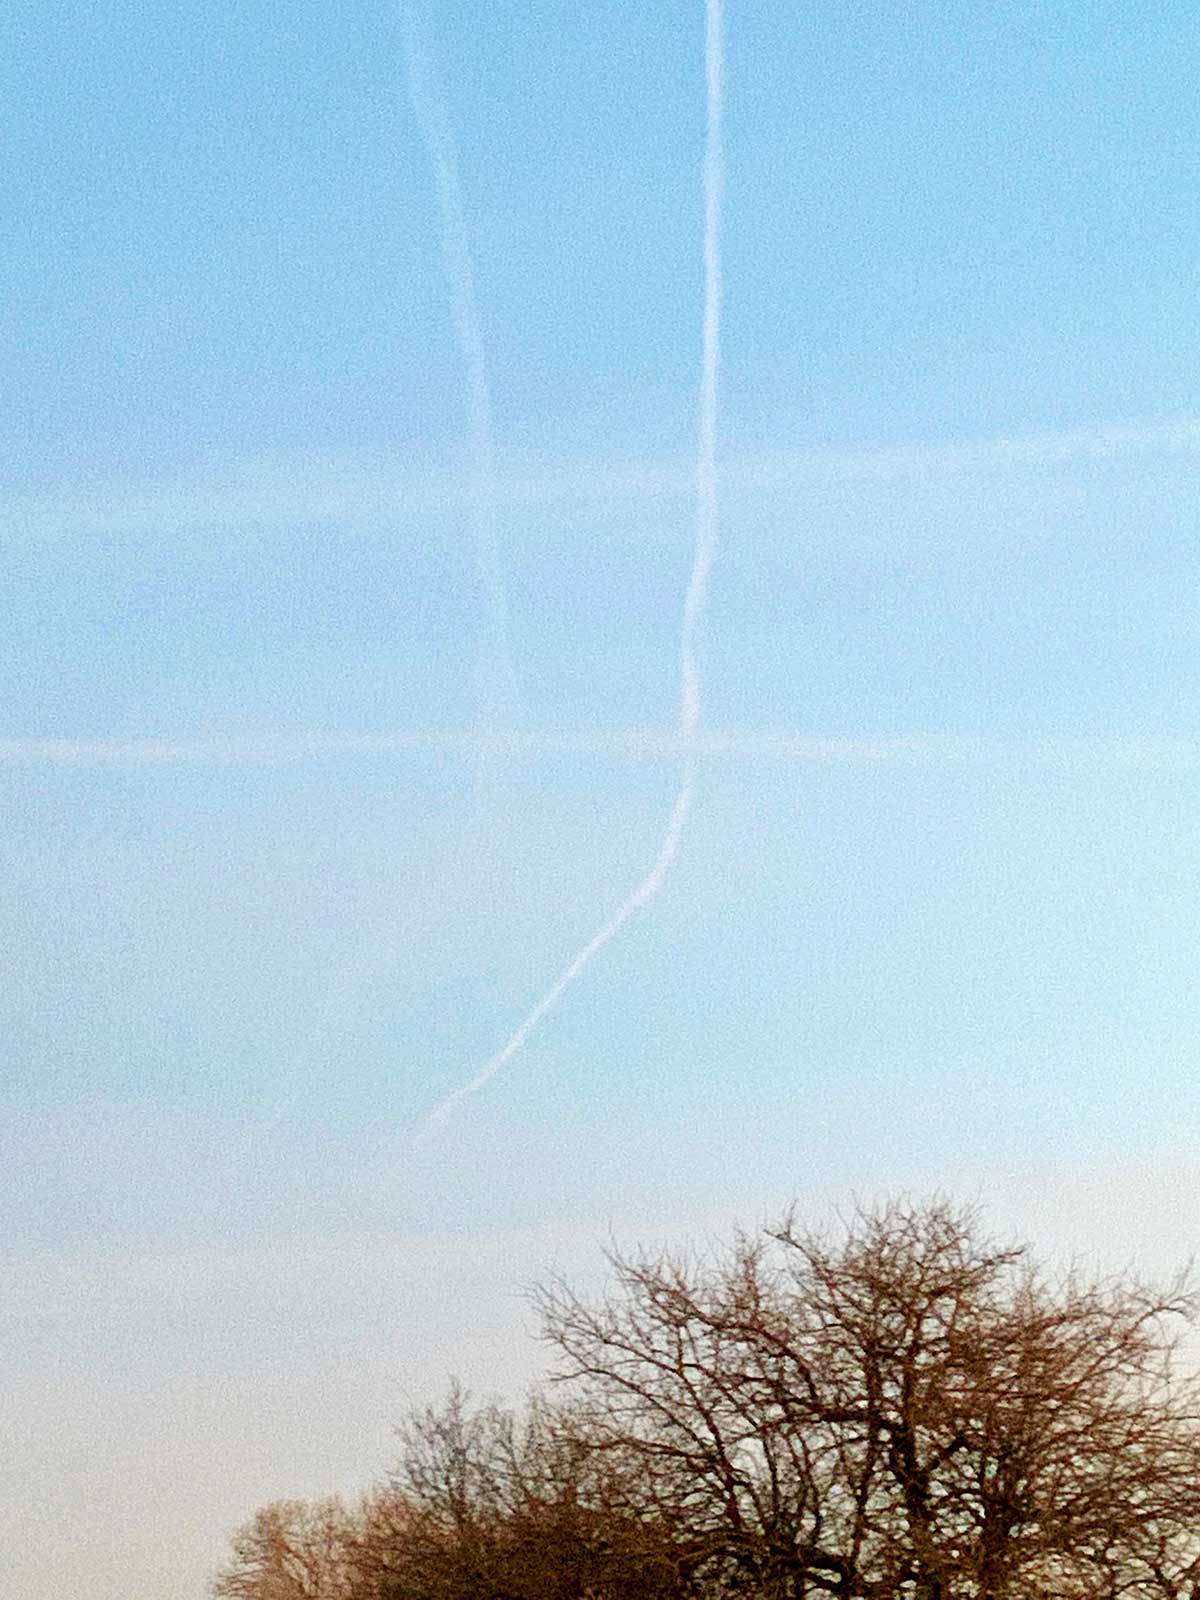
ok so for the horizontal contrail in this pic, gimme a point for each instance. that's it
(622, 744)
(694, 599)
(350, 491)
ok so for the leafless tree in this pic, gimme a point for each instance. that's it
(292, 1550)
(518, 1508)
(901, 1410)
(904, 1412)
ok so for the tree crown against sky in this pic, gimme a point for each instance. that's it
(903, 1410)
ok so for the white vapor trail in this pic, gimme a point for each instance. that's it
(694, 599)
(498, 685)
(347, 491)
(432, 120)
(1065, 750)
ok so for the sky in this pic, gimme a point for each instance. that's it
(282, 868)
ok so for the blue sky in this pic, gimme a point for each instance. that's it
(934, 917)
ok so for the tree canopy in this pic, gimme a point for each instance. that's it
(899, 1409)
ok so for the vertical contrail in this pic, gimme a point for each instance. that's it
(695, 598)
(429, 110)
(500, 688)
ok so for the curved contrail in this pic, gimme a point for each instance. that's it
(694, 600)
(429, 110)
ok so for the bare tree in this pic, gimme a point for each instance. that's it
(902, 1410)
(292, 1550)
(517, 1508)
(905, 1412)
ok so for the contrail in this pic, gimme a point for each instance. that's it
(349, 491)
(694, 600)
(740, 744)
(432, 120)
(499, 690)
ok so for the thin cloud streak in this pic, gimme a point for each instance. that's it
(258, 495)
(433, 122)
(620, 744)
(499, 694)
(694, 600)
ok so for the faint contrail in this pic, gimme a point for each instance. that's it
(499, 678)
(432, 119)
(694, 600)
